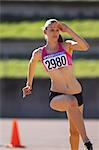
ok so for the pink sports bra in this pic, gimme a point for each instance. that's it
(56, 60)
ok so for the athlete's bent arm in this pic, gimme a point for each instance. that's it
(79, 43)
(30, 74)
(31, 67)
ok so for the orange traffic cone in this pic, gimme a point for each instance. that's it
(15, 140)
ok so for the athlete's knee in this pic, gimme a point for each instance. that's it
(58, 105)
(53, 104)
(72, 103)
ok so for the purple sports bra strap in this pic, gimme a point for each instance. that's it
(44, 51)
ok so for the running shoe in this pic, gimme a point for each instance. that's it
(88, 146)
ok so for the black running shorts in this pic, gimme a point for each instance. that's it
(78, 96)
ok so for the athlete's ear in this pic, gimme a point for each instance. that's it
(44, 31)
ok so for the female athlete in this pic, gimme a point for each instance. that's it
(65, 91)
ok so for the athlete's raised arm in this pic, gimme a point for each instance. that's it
(31, 70)
(79, 43)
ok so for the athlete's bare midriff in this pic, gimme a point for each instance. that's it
(64, 81)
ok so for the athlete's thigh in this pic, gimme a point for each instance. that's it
(60, 102)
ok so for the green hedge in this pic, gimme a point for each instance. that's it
(85, 28)
(18, 68)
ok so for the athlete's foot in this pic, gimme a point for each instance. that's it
(88, 146)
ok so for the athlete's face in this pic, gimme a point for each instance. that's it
(52, 32)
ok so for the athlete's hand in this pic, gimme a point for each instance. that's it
(63, 27)
(26, 91)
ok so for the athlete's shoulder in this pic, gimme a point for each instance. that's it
(37, 53)
(38, 50)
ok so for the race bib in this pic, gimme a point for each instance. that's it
(55, 61)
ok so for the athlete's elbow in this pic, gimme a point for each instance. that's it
(85, 47)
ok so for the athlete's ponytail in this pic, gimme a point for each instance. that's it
(60, 39)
